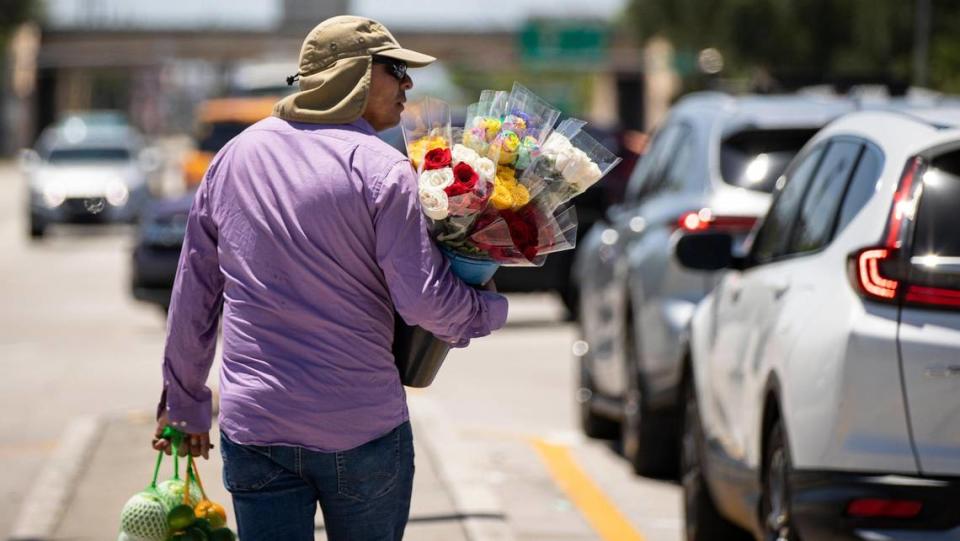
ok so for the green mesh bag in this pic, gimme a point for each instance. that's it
(144, 518)
(171, 491)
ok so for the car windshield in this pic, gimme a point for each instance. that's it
(213, 136)
(95, 154)
(755, 159)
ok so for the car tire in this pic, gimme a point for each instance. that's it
(775, 516)
(702, 519)
(592, 424)
(37, 227)
(648, 438)
(570, 296)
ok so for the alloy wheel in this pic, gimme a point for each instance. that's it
(777, 522)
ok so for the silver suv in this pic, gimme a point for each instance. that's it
(823, 393)
(711, 167)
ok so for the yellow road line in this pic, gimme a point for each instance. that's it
(599, 511)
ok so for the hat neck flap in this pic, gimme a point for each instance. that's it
(336, 95)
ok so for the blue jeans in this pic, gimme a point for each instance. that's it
(364, 493)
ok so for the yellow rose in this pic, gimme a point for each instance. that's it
(520, 195)
(507, 174)
(502, 197)
(492, 126)
(508, 145)
(419, 148)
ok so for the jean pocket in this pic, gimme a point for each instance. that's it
(371, 470)
(247, 467)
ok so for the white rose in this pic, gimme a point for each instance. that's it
(436, 179)
(485, 168)
(434, 203)
(464, 154)
(555, 145)
(578, 169)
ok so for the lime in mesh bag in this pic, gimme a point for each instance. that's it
(176, 509)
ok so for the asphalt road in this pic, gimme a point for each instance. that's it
(73, 342)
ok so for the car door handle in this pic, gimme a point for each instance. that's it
(735, 294)
(779, 289)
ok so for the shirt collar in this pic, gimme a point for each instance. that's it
(364, 126)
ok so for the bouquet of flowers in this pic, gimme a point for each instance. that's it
(496, 191)
(174, 509)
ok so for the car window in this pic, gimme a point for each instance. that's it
(814, 225)
(650, 167)
(755, 159)
(678, 174)
(936, 240)
(773, 236)
(91, 154)
(862, 186)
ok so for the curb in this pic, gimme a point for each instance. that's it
(457, 466)
(45, 504)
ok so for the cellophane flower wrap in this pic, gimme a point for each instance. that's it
(454, 182)
(570, 162)
(478, 187)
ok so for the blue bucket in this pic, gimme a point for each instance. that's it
(469, 269)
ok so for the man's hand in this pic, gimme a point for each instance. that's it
(196, 445)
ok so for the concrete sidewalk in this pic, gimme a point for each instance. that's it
(120, 463)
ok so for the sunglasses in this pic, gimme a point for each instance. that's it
(397, 68)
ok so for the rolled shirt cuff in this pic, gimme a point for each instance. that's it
(497, 307)
(190, 416)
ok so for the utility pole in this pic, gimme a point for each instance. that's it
(921, 42)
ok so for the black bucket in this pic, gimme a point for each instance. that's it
(418, 353)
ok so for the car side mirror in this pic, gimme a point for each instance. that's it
(28, 160)
(707, 252)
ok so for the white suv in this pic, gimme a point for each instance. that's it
(823, 384)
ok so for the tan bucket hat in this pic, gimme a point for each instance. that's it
(335, 64)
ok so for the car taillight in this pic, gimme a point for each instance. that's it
(877, 272)
(904, 203)
(705, 220)
(932, 296)
(880, 508)
(868, 276)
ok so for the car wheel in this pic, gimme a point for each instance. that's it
(648, 438)
(702, 520)
(37, 227)
(593, 425)
(775, 502)
(570, 296)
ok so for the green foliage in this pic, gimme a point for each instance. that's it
(13, 13)
(815, 38)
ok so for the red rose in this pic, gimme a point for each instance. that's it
(437, 158)
(464, 180)
(524, 231)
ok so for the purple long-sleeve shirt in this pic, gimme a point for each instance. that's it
(307, 237)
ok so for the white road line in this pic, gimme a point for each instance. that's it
(47, 500)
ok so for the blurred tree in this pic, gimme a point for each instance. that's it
(12, 14)
(793, 42)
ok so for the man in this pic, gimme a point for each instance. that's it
(306, 234)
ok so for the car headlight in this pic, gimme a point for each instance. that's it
(54, 195)
(117, 193)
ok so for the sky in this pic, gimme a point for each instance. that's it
(265, 15)
(479, 15)
(165, 14)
